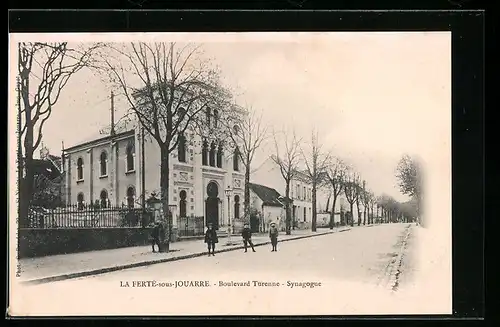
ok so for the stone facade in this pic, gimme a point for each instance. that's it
(301, 194)
(112, 166)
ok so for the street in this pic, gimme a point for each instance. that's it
(335, 267)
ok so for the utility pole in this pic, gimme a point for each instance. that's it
(112, 114)
(113, 155)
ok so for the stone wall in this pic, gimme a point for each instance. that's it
(42, 242)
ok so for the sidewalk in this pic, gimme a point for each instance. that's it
(75, 265)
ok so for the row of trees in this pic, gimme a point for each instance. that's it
(323, 171)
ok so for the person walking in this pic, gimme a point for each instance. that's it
(273, 235)
(211, 238)
(155, 236)
(247, 237)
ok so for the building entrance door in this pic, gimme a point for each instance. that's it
(212, 205)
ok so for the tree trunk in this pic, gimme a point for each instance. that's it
(364, 214)
(359, 213)
(288, 217)
(21, 210)
(26, 192)
(314, 215)
(351, 214)
(24, 201)
(332, 214)
(164, 186)
(247, 192)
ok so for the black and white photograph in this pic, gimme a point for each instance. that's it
(270, 173)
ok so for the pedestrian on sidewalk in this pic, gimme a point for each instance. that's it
(155, 236)
(211, 238)
(247, 237)
(273, 235)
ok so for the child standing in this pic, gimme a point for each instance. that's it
(155, 236)
(273, 235)
(211, 238)
(247, 237)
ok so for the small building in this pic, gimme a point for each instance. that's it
(49, 180)
(266, 201)
(301, 194)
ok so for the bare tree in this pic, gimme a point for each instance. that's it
(44, 71)
(371, 206)
(316, 162)
(409, 173)
(382, 201)
(351, 191)
(365, 199)
(167, 87)
(247, 132)
(390, 208)
(287, 158)
(335, 175)
(359, 198)
(327, 206)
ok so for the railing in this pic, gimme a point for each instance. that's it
(77, 216)
(191, 226)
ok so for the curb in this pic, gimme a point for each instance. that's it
(394, 277)
(148, 263)
(387, 280)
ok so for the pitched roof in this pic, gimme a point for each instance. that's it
(100, 139)
(269, 196)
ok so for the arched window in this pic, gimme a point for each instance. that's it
(236, 206)
(212, 154)
(304, 194)
(236, 129)
(209, 114)
(79, 168)
(216, 117)
(80, 200)
(298, 191)
(181, 148)
(104, 199)
(182, 203)
(236, 159)
(204, 153)
(130, 157)
(103, 163)
(130, 197)
(220, 155)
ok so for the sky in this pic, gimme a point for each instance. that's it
(371, 96)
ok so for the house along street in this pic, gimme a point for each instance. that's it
(360, 259)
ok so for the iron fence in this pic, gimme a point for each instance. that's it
(77, 216)
(191, 226)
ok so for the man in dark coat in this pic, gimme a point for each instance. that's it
(247, 237)
(211, 238)
(273, 235)
(155, 236)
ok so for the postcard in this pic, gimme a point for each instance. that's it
(202, 174)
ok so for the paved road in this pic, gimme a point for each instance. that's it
(351, 262)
